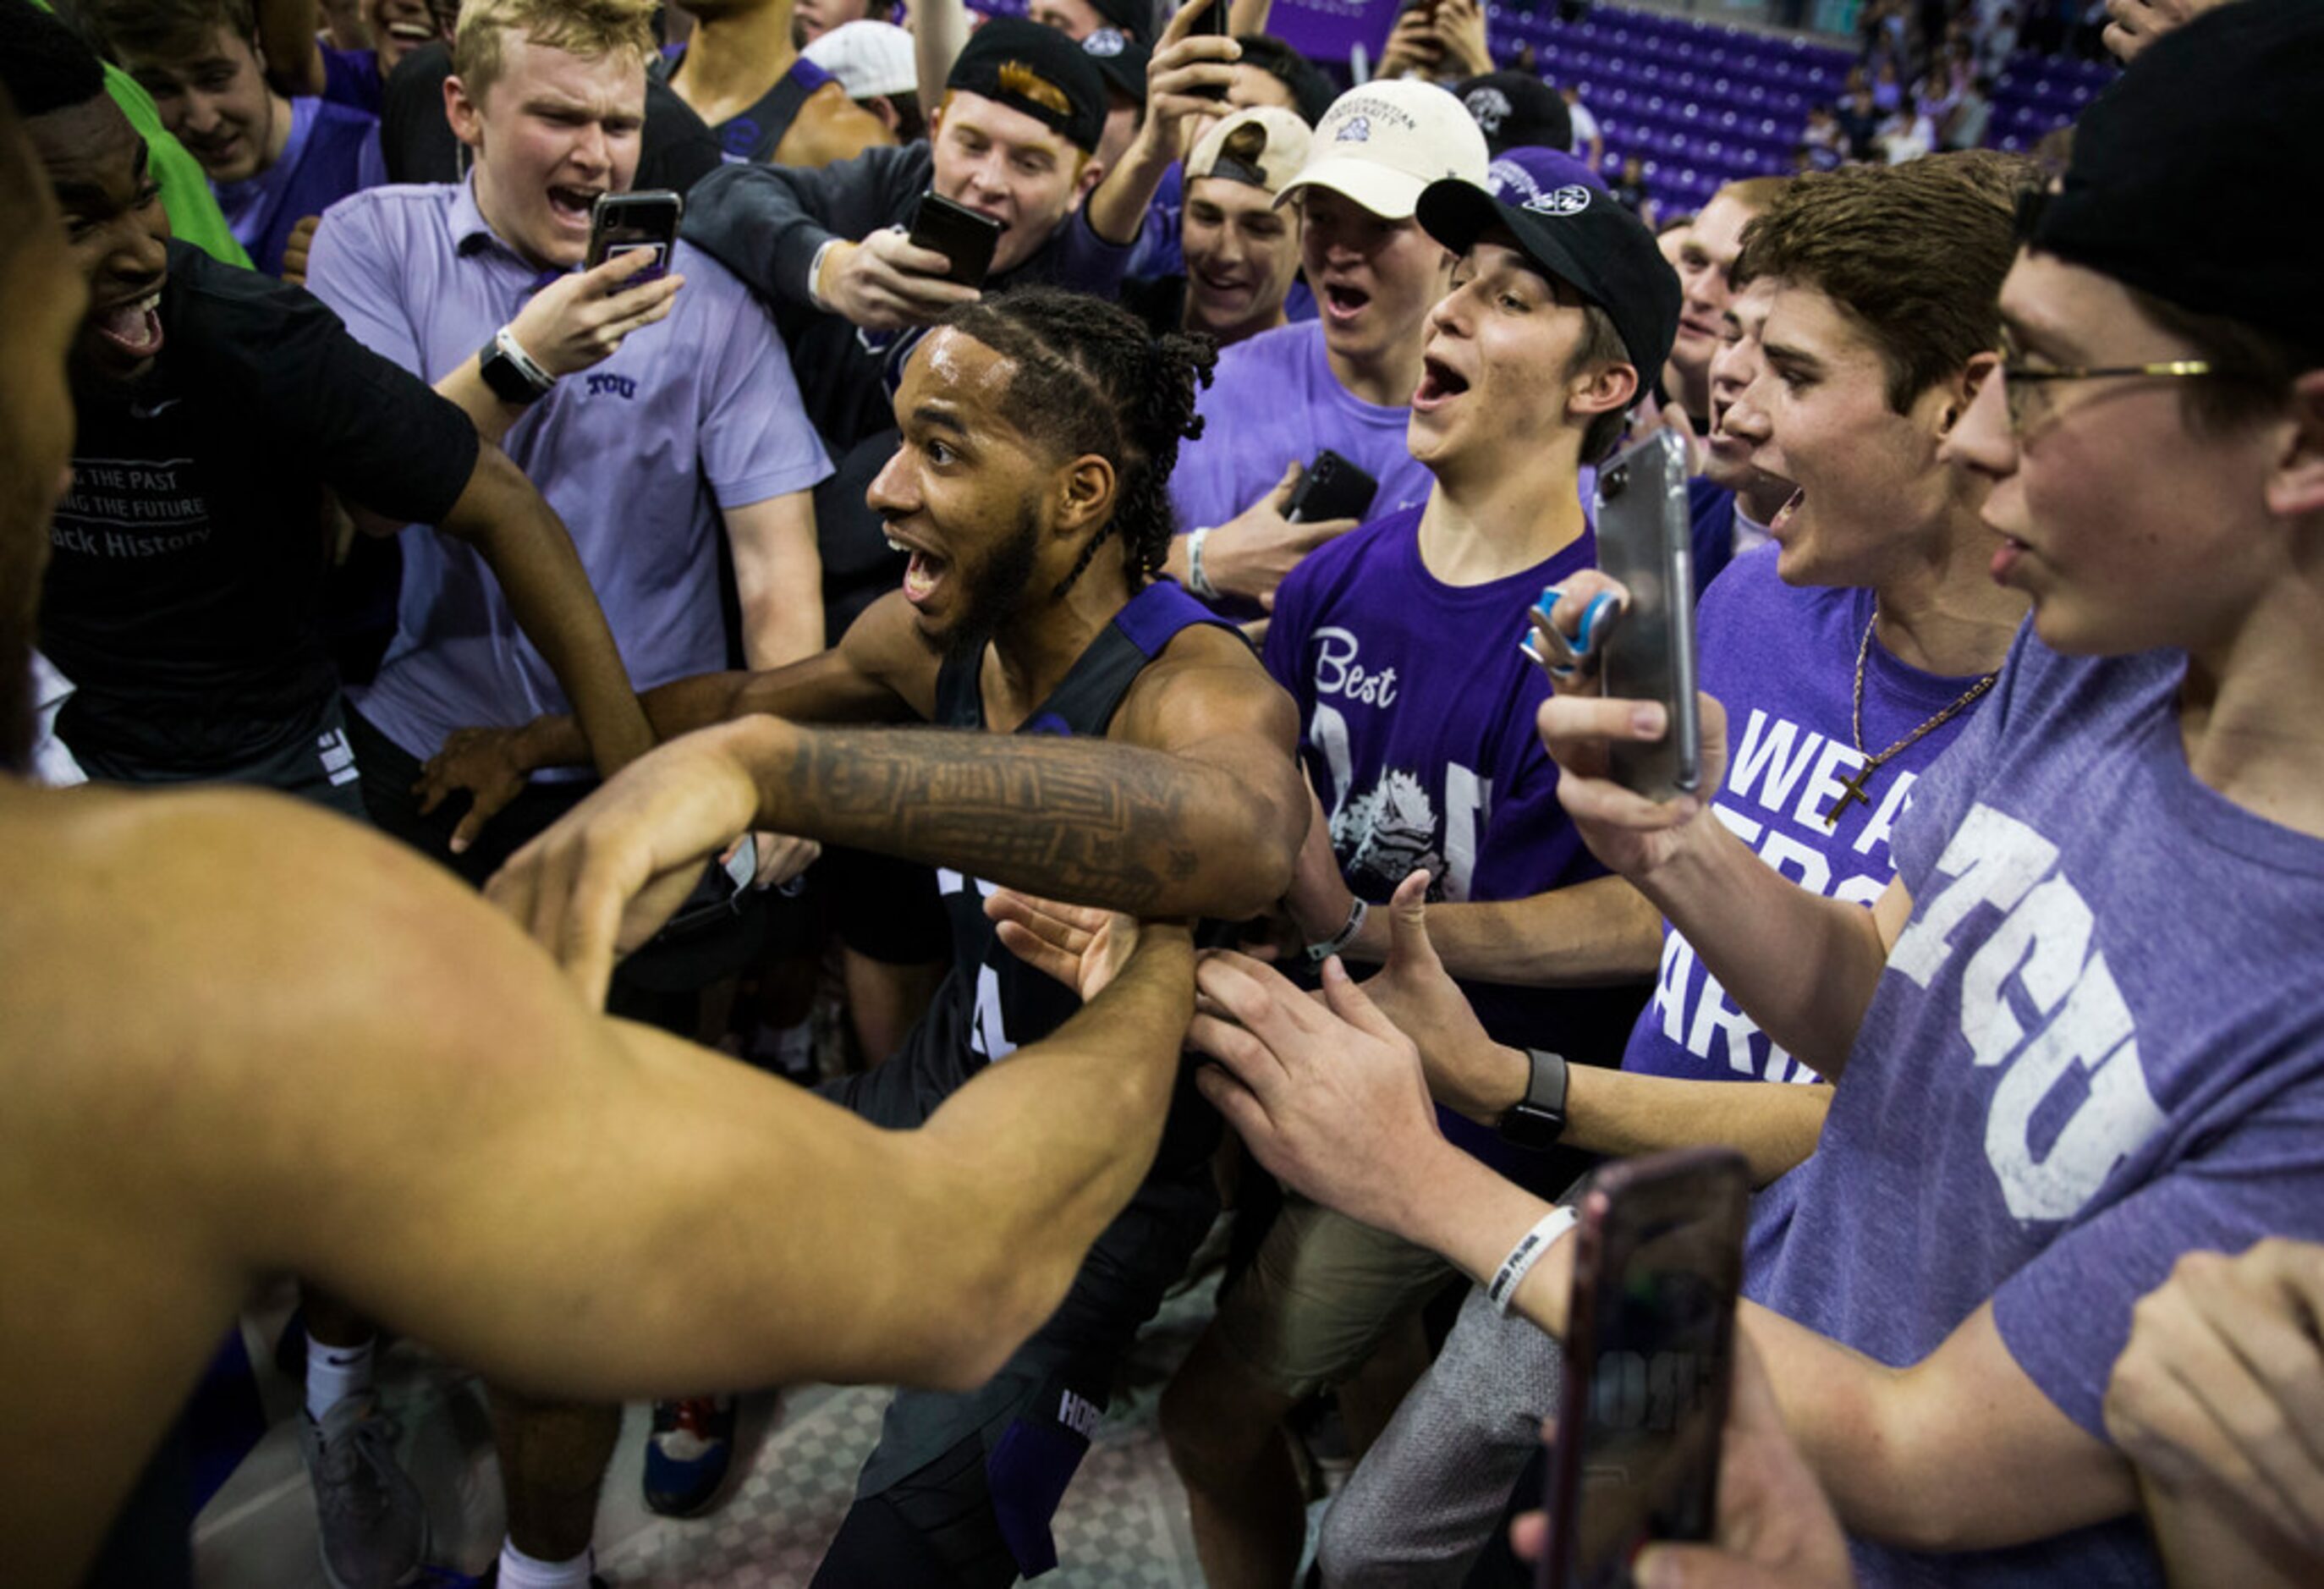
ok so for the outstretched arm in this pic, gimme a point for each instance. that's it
(1961, 1451)
(497, 1170)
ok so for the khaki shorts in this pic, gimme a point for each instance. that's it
(1319, 1298)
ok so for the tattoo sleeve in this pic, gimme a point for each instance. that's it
(1086, 820)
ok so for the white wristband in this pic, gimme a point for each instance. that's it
(1525, 1256)
(526, 365)
(1196, 581)
(815, 273)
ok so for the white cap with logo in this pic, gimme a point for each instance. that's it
(869, 59)
(1264, 146)
(1381, 143)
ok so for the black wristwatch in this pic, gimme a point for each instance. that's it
(1538, 1118)
(509, 381)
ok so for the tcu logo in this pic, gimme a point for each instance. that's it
(1105, 44)
(1359, 130)
(618, 385)
(1571, 199)
(1489, 106)
(2073, 1069)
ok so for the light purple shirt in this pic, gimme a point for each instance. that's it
(638, 455)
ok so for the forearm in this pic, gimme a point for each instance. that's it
(1589, 935)
(1800, 965)
(464, 388)
(1774, 1125)
(523, 542)
(287, 43)
(1958, 1452)
(1076, 1117)
(940, 33)
(1473, 1218)
(1083, 820)
(755, 221)
(1117, 209)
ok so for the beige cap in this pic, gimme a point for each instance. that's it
(1264, 146)
(1381, 143)
(869, 59)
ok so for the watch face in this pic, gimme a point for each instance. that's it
(1529, 1125)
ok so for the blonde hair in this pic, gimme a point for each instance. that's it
(589, 28)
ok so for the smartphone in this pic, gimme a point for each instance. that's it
(624, 223)
(1645, 540)
(1332, 488)
(1214, 24)
(1649, 1357)
(719, 894)
(963, 235)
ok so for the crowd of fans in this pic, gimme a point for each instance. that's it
(785, 655)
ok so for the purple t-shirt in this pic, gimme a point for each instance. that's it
(1273, 402)
(332, 152)
(352, 77)
(1417, 729)
(637, 455)
(1783, 662)
(2096, 1047)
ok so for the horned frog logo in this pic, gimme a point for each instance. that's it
(1389, 831)
(1571, 199)
(1359, 130)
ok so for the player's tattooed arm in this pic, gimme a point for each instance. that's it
(1091, 821)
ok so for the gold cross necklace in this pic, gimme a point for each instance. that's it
(1852, 788)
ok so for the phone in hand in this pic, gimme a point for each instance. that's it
(1332, 488)
(1649, 1359)
(965, 236)
(1645, 540)
(624, 223)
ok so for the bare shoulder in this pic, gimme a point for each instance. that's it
(830, 127)
(885, 643)
(1206, 684)
(231, 975)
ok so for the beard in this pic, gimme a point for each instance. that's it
(995, 590)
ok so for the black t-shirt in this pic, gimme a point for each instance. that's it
(674, 147)
(184, 587)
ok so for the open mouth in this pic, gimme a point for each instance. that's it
(923, 574)
(134, 328)
(1222, 281)
(411, 32)
(1342, 304)
(572, 205)
(1440, 383)
(1786, 515)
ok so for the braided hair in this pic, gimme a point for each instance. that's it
(1089, 378)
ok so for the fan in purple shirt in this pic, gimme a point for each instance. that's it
(1396, 643)
(272, 161)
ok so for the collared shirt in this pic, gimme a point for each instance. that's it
(638, 455)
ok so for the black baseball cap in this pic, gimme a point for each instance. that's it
(1133, 17)
(1122, 61)
(2188, 172)
(1037, 70)
(1515, 109)
(1581, 236)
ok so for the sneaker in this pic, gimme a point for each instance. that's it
(688, 1453)
(374, 1530)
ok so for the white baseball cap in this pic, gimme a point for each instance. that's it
(1264, 146)
(867, 58)
(1381, 143)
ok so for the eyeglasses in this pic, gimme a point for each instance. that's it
(2019, 382)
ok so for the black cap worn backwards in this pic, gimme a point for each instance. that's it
(2189, 172)
(1515, 109)
(1579, 235)
(1037, 70)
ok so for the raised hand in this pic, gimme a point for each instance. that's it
(582, 319)
(1250, 554)
(1080, 946)
(887, 283)
(601, 879)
